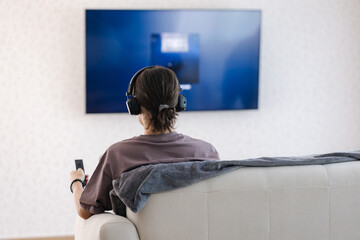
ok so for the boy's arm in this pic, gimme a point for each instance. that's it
(77, 191)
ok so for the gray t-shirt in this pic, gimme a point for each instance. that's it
(138, 151)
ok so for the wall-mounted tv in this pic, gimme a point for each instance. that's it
(214, 53)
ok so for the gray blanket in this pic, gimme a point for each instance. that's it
(134, 187)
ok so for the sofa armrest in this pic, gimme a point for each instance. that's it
(105, 226)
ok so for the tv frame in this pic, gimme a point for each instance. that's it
(185, 90)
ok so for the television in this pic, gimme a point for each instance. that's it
(214, 53)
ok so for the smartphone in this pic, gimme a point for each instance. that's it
(79, 164)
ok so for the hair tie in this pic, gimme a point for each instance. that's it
(162, 106)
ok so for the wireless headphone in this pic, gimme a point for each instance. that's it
(133, 105)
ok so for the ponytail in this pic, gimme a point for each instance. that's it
(164, 119)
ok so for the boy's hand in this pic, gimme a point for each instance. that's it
(79, 173)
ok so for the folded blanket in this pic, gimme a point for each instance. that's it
(134, 187)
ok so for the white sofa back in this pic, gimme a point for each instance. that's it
(302, 202)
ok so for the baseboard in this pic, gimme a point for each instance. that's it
(43, 238)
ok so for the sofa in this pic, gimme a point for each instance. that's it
(280, 203)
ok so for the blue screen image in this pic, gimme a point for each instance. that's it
(214, 53)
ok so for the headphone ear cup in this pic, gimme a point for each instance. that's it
(182, 102)
(133, 106)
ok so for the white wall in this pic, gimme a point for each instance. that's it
(309, 98)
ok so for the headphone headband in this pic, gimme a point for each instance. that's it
(133, 80)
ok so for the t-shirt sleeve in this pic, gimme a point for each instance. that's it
(95, 197)
(213, 153)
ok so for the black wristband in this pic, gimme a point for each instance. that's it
(76, 180)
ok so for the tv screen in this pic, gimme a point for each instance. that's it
(214, 53)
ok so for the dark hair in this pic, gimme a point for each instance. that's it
(154, 87)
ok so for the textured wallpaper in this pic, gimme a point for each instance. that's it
(309, 98)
